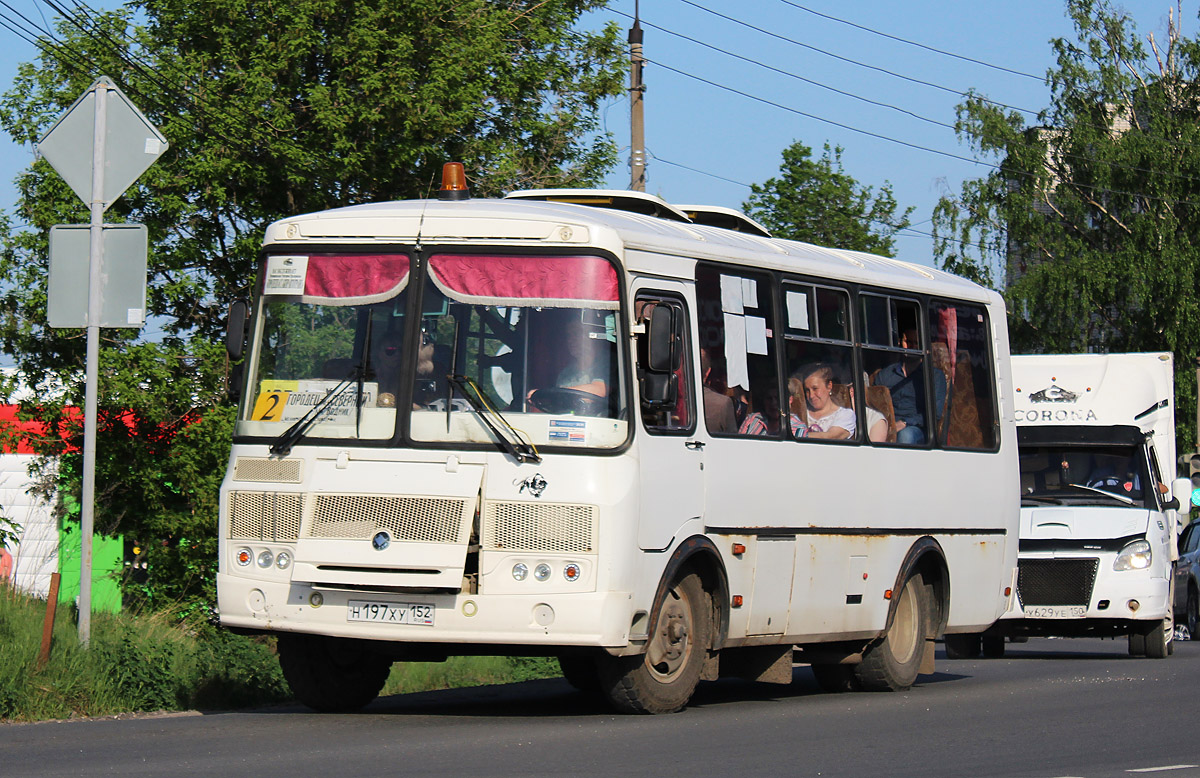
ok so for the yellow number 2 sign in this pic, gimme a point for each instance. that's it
(273, 398)
(269, 405)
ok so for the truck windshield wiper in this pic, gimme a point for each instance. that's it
(1041, 499)
(292, 435)
(1118, 497)
(508, 435)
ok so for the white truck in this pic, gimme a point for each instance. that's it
(1099, 526)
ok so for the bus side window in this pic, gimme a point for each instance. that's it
(676, 416)
(959, 336)
(737, 336)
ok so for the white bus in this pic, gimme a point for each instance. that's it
(531, 426)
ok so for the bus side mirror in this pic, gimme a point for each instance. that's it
(235, 329)
(663, 351)
(659, 385)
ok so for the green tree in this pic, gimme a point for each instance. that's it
(271, 109)
(817, 202)
(1091, 218)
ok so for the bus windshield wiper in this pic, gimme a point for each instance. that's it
(1113, 495)
(510, 439)
(283, 444)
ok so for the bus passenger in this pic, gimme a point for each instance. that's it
(826, 419)
(906, 381)
(877, 423)
(718, 408)
(767, 422)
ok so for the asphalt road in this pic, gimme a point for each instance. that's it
(1050, 708)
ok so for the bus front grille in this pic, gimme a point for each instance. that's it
(1056, 581)
(359, 516)
(273, 516)
(524, 526)
(284, 471)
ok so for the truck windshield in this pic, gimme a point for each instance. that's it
(537, 337)
(1085, 475)
(534, 340)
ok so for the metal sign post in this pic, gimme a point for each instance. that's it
(123, 145)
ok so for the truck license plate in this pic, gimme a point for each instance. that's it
(1055, 611)
(389, 612)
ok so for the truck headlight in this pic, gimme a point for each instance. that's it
(1136, 556)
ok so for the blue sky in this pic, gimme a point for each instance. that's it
(736, 139)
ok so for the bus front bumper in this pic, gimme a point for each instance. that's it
(571, 620)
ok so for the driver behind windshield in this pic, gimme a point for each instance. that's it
(584, 358)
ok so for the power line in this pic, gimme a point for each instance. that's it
(855, 62)
(913, 43)
(790, 74)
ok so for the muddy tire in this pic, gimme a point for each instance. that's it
(892, 662)
(965, 646)
(663, 679)
(331, 674)
(1137, 644)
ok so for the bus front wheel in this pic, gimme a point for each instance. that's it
(663, 679)
(892, 663)
(331, 674)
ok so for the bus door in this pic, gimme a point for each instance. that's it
(671, 459)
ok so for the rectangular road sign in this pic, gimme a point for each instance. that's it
(122, 276)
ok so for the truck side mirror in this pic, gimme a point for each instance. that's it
(1181, 495)
(235, 329)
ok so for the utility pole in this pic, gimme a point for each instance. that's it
(637, 91)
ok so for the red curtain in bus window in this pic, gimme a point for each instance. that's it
(354, 279)
(552, 282)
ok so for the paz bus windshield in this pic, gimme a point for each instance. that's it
(532, 341)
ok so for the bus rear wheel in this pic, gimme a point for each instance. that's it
(892, 663)
(331, 674)
(663, 679)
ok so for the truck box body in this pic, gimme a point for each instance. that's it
(1096, 435)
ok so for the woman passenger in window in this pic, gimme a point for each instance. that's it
(826, 419)
(767, 422)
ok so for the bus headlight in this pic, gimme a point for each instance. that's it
(282, 560)
(520, 570)
(1136, 556)
(541, 572)
(265, 558)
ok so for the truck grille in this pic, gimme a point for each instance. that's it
(1056, 581)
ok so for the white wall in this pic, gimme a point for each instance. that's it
(35, 555)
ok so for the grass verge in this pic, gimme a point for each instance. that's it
(150, 662)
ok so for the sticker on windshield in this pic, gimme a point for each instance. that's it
(285, 275)
(568, 431)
